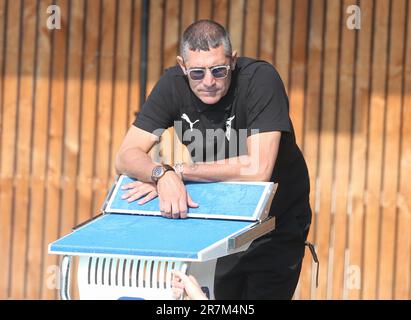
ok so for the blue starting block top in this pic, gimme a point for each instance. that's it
(221, 200)
(148, 236)
(226, 210)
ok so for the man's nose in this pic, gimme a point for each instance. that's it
(208, 80)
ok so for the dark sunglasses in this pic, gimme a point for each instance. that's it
(218, 72)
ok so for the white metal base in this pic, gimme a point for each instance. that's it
(125, 278)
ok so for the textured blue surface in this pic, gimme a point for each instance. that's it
(147, 236)
(214, 198)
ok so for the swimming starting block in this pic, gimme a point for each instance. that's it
(129, 250)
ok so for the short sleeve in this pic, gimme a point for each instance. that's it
(267, 102)
(160, 110)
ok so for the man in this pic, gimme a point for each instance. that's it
(233, 116)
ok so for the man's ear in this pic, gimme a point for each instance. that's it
(180, 62)
(233, 59)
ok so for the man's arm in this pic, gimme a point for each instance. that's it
(257, 165)
(133, 159)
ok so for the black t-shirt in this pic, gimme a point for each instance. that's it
(256, 100)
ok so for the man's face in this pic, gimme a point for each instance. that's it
(209, 89)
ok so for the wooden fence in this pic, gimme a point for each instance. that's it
(67, 97)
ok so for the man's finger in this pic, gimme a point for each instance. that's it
(190, 202)
(148, 197)
(175, 210)
(183, 208)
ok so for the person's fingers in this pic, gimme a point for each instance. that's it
(177, 293)
(165, 209)
(182, 203)
(194, 280)
(190, 202)
(135, 190)
(148, 197)
(131, 185)
(175, 210)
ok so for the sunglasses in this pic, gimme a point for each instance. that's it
(218, 72)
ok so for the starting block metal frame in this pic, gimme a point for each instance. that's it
(129, 250)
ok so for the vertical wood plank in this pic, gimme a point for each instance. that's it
(268, 30)
(220, 12)
(344, 110)
(103, 125)
(252, 29)
(120, 99)
(90, 60)
(236, 25)
(391, 151)
(55, 145)
(310, 145)
(72, 106)
(38, 157)
(188, 13)
(22, 141)
(354, 280)
(283, 40)
(204, 9)
(402, 270)
(8, 138)
(298, 68)
(327, 143)
(375, 150)
(135, 62)
(4, 224)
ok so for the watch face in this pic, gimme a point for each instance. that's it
(158, 171)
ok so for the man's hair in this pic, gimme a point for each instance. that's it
(203, 35)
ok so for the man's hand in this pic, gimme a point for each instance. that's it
(173, 196)
(137, 190)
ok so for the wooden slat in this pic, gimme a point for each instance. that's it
(298, 68)
(402, 271)
(8, 138)
(310, 145)
(267, 44)
(120, 95)
(103, 125)
(38, 159)
(236, 25)
(375, 149)
(71, 116)
(4, 219)
(188, 12)
(356, 202)
(392, 137)
(327, 144)
(204, 9)
(220, 11)
(283, 40)
(342, 156)
(22, 142)
(55, 146)
(135, 62)
(88, 113)
(252, 29)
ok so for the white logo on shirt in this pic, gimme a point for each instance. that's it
(186, 118)
(228, 127)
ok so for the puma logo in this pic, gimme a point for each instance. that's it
(228, 127)
(186, 118)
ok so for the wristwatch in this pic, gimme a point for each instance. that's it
(159, 171)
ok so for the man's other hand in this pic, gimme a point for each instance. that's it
(173, 196)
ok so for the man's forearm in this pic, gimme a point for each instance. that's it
(240, 168)
(135, 163)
